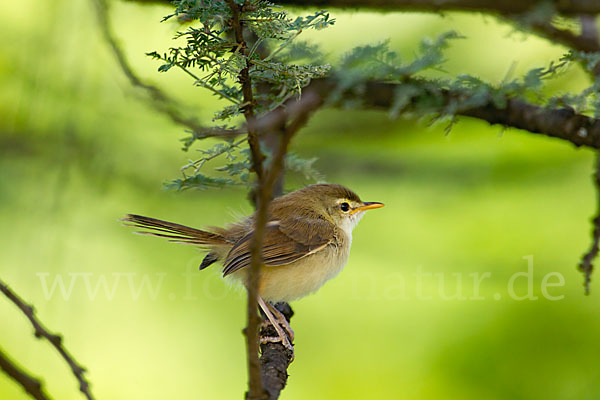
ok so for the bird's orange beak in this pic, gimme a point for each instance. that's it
(367, 205)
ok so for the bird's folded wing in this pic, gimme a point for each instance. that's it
(284, 242)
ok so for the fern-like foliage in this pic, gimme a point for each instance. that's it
(211, 57)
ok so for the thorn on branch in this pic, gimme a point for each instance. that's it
(586, 266)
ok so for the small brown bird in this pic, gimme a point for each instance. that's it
(306, 243)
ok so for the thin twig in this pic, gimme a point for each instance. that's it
(586, 265)
(161, 101)
(54, 339)
(30, 384)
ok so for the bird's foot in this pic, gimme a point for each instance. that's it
(281, 337)
(282, 321)
(278, 339)
(278, 323)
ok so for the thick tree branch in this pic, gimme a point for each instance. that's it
(30, 384)
(561, 123)
(54, 339)
(571, 7)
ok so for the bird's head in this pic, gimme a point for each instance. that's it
(335, 203)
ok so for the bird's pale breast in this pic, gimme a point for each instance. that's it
(302, 277)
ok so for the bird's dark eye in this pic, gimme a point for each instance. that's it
(345, 207)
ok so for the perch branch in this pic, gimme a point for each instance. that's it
(54, 339)
(30, 384)
(586, 266)
(255, 388)
(275, 358)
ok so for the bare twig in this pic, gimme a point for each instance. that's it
(160, 100)
(54, 339)
(586, 265)
(30, 384)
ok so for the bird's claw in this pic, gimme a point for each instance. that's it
(278, 339)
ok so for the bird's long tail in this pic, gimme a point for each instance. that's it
(174, 232)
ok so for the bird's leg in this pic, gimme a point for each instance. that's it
(283, 338)
(283, 322)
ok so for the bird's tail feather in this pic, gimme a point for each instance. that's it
(174, 232)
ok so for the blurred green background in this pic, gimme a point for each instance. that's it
(80, 148)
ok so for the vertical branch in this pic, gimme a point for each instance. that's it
(30, 384)
(264, 193)
(54, 339)
(586, 266)
(248, 101)
(255, 390)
